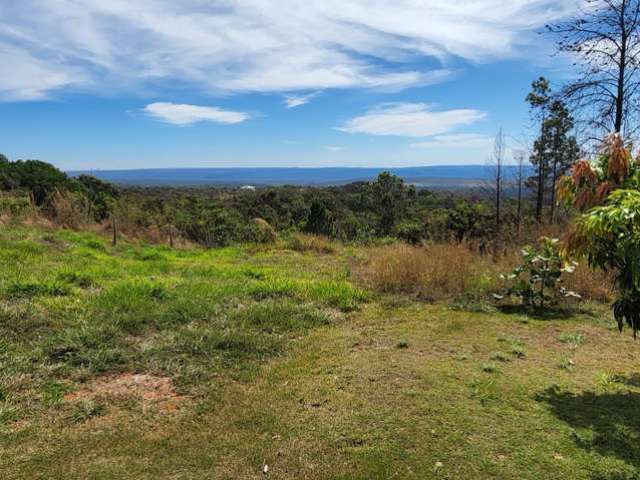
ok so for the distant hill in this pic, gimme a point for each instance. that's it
(434, 177)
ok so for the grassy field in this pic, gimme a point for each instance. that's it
(251, 362)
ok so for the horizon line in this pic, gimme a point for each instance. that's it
(276, 168)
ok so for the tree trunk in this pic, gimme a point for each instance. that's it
(114, 231)
(554, 178)
(540, 192)
(553, 191)
(498, 198)
(621, 71)
(519, 213)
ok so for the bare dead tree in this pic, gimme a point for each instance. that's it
(604, 41)
(496, 165)
(519, 178)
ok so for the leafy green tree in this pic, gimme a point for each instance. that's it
(389, 198)
(99, 194)
(321, 216)
(608, 229)
(466, 220)
(563, 146)
(7, 180)
(40, 178)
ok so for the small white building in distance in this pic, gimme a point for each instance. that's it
(248, 187)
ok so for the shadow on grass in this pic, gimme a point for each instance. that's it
(548, 313)
(607, 423)
(615, 476)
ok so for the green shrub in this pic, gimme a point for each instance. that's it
(410, 232)
(538, 281)
(14, 205)
(259, 231)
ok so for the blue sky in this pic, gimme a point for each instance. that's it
(155, 83)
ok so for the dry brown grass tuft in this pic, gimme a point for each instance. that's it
(591, 284)
(69, 211)
(310, 243)
(435, 272)
(446, 271)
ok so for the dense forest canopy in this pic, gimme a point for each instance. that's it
(362, 211)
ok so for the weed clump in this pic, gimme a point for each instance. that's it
(273, 317)
(310, 243)
(74, 278)
(574, 340)
(85, 410)
(22, 290)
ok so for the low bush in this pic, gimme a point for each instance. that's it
(300, 242)
(14, 205)
(539, 280)
(260, 231)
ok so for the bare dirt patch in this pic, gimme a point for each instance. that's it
(153, 392)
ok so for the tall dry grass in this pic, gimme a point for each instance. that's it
(446, 271)
(435, 272)
(69, 211)
(591, 284)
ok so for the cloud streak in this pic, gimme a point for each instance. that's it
(411, 120)
(456, 140)
(293, 101)
(183, 115)
(234, 46)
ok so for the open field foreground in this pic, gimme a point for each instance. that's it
(257, 362)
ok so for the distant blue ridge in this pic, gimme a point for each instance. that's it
(450, 176)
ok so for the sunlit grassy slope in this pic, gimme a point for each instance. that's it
(263, 359)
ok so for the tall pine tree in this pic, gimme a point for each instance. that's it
(555, 149)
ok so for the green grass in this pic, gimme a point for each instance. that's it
(276, 357)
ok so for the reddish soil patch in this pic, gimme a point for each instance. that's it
(152, 391)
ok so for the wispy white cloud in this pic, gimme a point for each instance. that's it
(411, 120)
(456, 140)
(25, 77)
(335, 148)
(231, 46)
(293, 101)
(180, 114)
